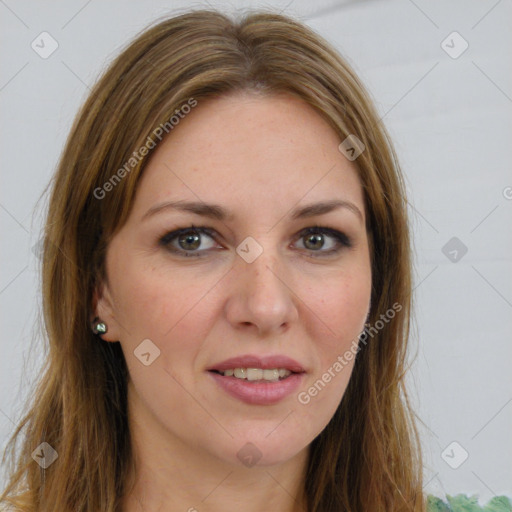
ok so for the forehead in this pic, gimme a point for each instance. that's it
(250, 152)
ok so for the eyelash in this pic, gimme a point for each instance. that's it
(343, 240)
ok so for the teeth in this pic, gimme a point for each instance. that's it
(253, 374)
(270, 374)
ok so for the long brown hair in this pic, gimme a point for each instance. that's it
(368, 457)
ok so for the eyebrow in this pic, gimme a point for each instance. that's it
(216, 211)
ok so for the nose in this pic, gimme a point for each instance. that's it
(261, 296)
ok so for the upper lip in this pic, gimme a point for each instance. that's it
(263, 362)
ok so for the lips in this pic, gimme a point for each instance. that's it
(258, 392)
(264, 362)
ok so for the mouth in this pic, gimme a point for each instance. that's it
(250, 366)
(258, 379)
(257, 386)
(257, 374)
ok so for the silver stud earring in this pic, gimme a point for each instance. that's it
(99, 327)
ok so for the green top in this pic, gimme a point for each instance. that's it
(462, 503)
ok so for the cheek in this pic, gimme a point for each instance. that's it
(340, 311)
(162, 304)
(341, 308)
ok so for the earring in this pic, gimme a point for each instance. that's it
(99, 327)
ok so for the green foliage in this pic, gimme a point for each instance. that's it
(462, 503)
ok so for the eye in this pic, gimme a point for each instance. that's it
(188, 241)
(315, 236)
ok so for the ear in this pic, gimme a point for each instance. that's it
(104, 308)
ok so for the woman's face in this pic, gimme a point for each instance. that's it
(253, 283)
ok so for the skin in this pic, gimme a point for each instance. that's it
(259, 157)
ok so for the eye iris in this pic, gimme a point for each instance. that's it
(318, 241)
(190, 239)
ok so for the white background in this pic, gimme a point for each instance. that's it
(451, 120)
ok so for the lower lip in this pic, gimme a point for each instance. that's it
(258, 393)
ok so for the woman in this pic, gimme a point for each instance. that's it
(226, 286)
